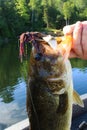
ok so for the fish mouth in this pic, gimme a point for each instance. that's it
(42, 51)
(49, 43)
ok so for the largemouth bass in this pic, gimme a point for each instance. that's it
(50, 92)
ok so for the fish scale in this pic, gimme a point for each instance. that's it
(50, 107)
(50, 93)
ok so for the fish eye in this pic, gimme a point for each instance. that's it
(38, 56)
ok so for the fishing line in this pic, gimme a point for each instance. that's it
(34, 110)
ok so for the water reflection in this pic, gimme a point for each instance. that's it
(79, 75)
(10, 71)
(14, 111)
(12, 86)
(80, 80)
(13, 75)
(79, 64)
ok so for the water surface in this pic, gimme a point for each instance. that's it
(13, 81)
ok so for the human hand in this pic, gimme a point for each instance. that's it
(79, 34)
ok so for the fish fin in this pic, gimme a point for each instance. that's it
(77, 99)
(63, 101)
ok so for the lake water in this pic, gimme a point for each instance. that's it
(13, 81)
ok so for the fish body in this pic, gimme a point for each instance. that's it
(50, 90)
(50, 87)
(49, 99)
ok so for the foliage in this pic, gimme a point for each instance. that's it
(17, 16)
(68, 8)
(78, 63)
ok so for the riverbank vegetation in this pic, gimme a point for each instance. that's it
(17, 16)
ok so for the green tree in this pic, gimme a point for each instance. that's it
(68, 8)
(50, 13)
(81, 9)
(36, 14)
(45, 12)
(80, 4)
(22, 10)
(17, 16)
(4, 20)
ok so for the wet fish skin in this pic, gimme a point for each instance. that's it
(47, 109)
(50, 90)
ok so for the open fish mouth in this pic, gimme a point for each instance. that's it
(45, 45)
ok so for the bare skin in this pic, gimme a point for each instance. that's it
(79, 33)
